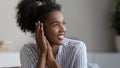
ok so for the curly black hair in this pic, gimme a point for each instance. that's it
(31, 11)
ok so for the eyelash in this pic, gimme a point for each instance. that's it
(64, 22)
(56, 24)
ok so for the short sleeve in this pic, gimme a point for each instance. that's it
(26, 57)
(81, 56)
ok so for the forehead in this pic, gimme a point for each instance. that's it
(55, 16)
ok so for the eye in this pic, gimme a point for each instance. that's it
(64, 23)
(55, 24)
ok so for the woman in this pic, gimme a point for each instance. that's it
(44, 19)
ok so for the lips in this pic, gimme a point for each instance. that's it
(61, 37)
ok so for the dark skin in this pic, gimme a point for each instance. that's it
(48, 38)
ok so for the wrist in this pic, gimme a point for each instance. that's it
(50, 57)
(43, 54)
(43, 51)
(53, 64)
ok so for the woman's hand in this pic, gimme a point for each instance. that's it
(42, 42)
(50, 55)
(50, 58)
(45, 49)
(40, 38)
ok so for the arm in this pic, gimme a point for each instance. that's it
(45, 49)
(41, 43)
(41, 61)
(53, 64)
(51, 61)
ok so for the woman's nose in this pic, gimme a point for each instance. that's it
(63, 28)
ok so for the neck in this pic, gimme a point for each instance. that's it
(55, 49)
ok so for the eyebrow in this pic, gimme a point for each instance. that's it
(56, 21)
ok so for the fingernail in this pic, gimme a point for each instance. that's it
(36, 24)
(42, 24)
(39, 22)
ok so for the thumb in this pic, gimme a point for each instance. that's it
(48, 45)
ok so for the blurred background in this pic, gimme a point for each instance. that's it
(90, 21)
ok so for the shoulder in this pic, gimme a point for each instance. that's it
(29, 55)
(29, 48)
(74, 43)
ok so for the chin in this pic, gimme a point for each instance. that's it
(57, 42)
(60, 42)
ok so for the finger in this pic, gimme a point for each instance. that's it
(38, 26)
(48, 44)
(46, 41)
(42, 30)
(36, 30)
(41, 33)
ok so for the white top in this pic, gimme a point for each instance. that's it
(72, 54)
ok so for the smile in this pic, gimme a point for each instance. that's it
(61, 37)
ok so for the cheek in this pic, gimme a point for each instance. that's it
(50, 33)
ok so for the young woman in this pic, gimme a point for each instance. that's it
(50, 49)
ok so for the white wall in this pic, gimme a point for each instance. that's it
(87, 20)
(8, 28)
